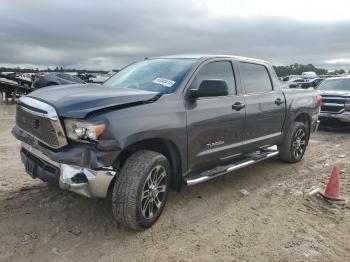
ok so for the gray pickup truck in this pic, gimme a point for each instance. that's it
(335, 100)
(162, 123)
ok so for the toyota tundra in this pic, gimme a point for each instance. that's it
(162, 123)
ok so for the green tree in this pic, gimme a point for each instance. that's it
(339, 72)
(298, 69)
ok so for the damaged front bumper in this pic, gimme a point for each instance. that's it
(83, 181)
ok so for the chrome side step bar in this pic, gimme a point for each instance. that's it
(207, 175)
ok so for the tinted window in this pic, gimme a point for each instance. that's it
(255, 78)
(219, 71)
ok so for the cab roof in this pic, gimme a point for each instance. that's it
(210, 56)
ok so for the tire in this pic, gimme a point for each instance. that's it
(129, 195)
(295, 142)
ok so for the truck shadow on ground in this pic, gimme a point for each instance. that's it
(336, 128)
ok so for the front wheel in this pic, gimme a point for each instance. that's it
(294, 145)
(141, 189)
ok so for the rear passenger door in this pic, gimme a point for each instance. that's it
(265, 105)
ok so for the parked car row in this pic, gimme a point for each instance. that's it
(304, 76)
(304, 83)
(48, 79)
(42, 80)
(305, 80)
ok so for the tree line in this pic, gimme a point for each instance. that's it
(297, 69)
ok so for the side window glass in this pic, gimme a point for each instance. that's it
(219, 71)
(255, 77)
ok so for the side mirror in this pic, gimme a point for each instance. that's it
(209, 88)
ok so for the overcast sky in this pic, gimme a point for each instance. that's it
(109, 34)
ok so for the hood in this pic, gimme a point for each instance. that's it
(76, 101)
(334, 93)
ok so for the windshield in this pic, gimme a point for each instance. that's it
(157, 75)
(335, 85)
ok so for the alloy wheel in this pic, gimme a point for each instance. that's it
(299, 143)
(153, 193)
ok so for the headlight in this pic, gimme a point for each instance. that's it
(83, 131)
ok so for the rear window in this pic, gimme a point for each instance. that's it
(255, 78)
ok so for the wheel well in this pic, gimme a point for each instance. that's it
(163, 146)
(306, 119)
(303, 118)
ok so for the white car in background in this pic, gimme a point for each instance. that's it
(309, 75)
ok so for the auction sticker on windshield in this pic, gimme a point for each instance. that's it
(164, 82)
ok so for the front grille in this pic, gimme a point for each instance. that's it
(332, 109)
(38, 126)
(334, 99)
(333, 104)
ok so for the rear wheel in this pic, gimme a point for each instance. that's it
(294, 145)
(141, 189)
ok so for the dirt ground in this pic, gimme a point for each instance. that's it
(277, 221)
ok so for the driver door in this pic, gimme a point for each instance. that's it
(215, 124)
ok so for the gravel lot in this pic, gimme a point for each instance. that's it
(277, 221)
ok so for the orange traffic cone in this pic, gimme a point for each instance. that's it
(332, 192)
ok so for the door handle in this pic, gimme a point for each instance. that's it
(238, 106)
(279, 101)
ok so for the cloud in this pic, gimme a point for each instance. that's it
(110, 34)
(338, 61)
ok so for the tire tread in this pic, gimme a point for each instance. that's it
(125, 191)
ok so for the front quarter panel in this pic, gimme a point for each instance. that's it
(165, 119)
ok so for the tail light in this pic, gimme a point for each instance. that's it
(319, 100)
